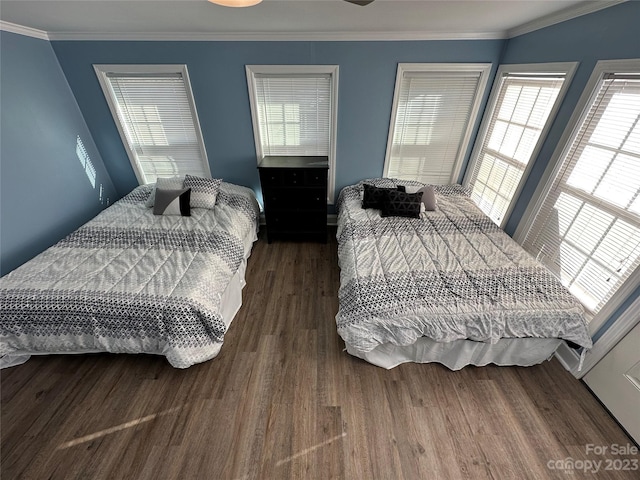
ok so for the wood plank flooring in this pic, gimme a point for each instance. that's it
(284, 401)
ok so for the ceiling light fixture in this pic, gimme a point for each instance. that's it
(236, 3)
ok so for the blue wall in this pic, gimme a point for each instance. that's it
(217, 73)
(44, 191)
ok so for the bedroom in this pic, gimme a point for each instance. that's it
(50, 93)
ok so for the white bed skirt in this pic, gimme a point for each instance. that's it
(230, 304)
(460, 353)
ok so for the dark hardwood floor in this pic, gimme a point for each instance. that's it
(284, 401)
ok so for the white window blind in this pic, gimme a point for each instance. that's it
(588, 227)
(294, 114)
(520, 113)
(157, 119)
(434, 112)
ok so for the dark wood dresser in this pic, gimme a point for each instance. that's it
(294, 190)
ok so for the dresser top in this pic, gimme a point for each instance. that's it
(294, 162)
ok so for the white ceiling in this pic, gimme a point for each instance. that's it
(289, 19)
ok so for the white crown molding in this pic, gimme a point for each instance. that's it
(22, 30)
(563, 16)
(543, 22)
(278, 37)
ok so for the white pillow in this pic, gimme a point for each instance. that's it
(165, 183)
(204, 191)
(428, 196)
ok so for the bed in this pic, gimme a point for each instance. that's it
(129, 281)
(448, 287)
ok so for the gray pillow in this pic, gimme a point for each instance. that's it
(172, 202)
(166, 183)
(428, 197)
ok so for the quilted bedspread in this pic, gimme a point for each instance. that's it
(129, 281)
(451, 274)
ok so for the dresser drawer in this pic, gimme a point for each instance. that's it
(297, 222)
(294, 177)
(284, 198)
(315, 177)
(272, 177)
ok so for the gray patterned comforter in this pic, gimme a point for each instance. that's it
(451, 274)
(132, 282)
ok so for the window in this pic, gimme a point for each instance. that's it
(434, 111)
(523, 103)
(586, 228)
(156, 116)
(294, 111)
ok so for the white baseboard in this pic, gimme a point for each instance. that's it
(569, 359)
(623, 325)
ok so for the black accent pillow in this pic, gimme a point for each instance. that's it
(373, 196)
(172, 202)
(402, 204)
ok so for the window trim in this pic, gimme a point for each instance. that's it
(332, 70)
(580, 112)
(103, 70)
(569, 69)
(483, 69)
